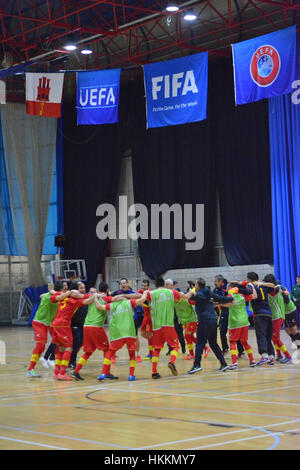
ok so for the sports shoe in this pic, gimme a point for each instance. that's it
(138, 358)
(112, 377)
(194, 369)
(109, 377)
(189, 357)
(207, 351)
(279, 358)
(285, 360)
(76, 376)
(172, 368)
(223, 368)
(233, 367)
(156, 376)
(131, 378)
(32, 373)
(102, 377)
(65, 377)
(55, 376)
(253, 364)
(263, 360)
(44, 362)
(51, 363)
(148, 358)
(272, 361)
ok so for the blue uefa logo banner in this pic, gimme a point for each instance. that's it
(265, 66)
(98, 95)
(176, 90)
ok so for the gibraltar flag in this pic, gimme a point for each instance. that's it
(44, 94)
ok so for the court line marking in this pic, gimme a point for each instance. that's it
(232, 442)
(30, 431)
(280, 433)
(259, 391)
(189, 395)
(212, 376)
(33, 443)
(116, 420)
(198, 438)
(63, 392)
(193, 410)
(114, 405)
(274, 403)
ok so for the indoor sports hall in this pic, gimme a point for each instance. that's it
(149, 227)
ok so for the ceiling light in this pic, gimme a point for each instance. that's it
(172, 7)
(86, 51)
(190, 15)
(70, 47)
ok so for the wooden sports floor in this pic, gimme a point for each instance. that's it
(247, 409)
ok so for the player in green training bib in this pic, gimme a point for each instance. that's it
(277, 305)
(41, 324)
(121, 332)
(162, 303)
(94, 335)
(188, 318)
(291, 318)
(238, 325)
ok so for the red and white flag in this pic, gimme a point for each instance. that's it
(44, 94)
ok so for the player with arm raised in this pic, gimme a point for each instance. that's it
(62, 332)
(162, 302)
(238, 323)
(121, 332)
(94, 335)
(41, 324)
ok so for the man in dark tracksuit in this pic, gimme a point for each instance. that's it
(207, 324)
(220, 289)
(262, 317)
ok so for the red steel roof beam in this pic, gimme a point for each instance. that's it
(53, 21)
(201, 36)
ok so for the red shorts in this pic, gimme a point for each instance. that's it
(40, 332)
(94, 337)
(276, 327)
(62, 336)
(191, 328)
(239, 334)
(166, 334)
(131, 344)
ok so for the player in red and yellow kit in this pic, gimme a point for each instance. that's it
(62, 332)
(162, 323)
(94, 336)
(147, 314)
(42, 324)
(121, 332)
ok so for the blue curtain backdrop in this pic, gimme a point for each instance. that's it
(284, 118)
(7, 237)
(12, 234)
(284, 124)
